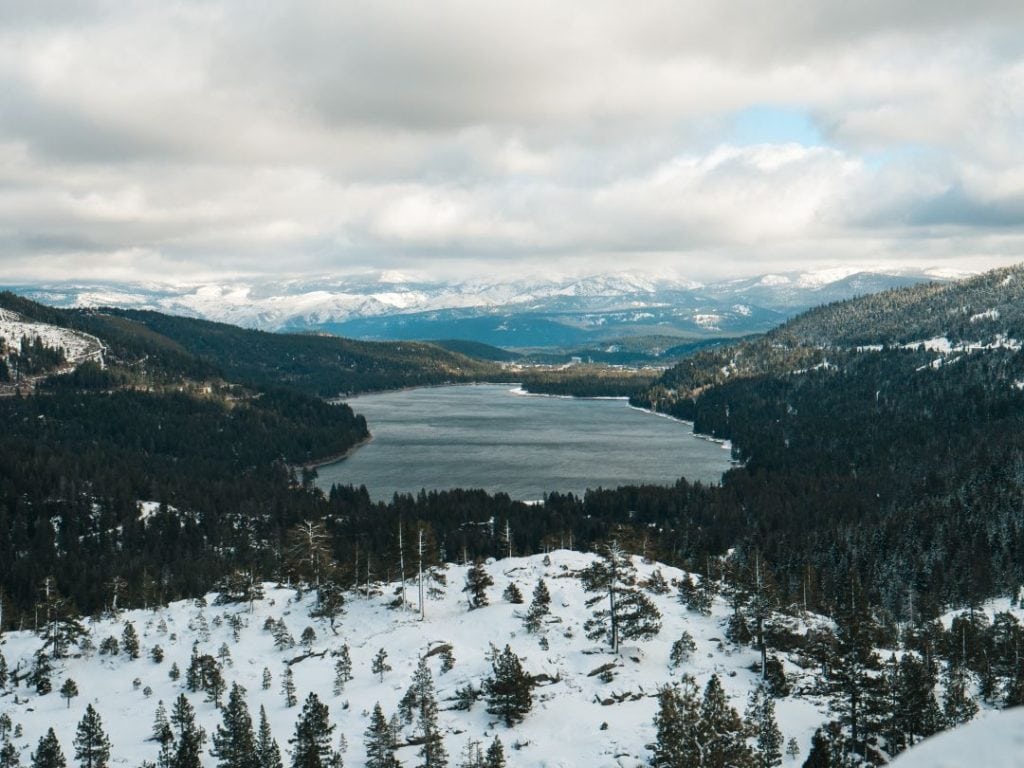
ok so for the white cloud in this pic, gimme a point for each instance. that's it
(157, 139)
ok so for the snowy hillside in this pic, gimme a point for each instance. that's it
(77, 346)
(993, 741)
(576, 719)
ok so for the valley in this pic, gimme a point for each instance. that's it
(873, 519)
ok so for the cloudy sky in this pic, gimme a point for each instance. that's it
(181, 140)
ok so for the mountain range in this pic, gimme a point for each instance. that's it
(518, 314)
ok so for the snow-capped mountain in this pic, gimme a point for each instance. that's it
(510, 313)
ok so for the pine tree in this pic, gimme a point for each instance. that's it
(9, 757)
(682, 649)
(268, 754)
(792, 749)
(3, 671)
(188, 744)
(512, 594)
(311, 744)
(162, 732)
(677, 724)
(288, 687)
(721, 730)
(477, 582)
(266, 679)
(761, 716)
(540, 607)
(92, 747)
(48, 753)
(853, 683)
(820, 755)
(60, 626)
(380, 664)
(130, 640)
(342, 670)
(40, 675)
(69, 690)
(957, 705)
(380, 741)
(234, 744)
(630, 614)
(495, 757)
(421, 698)
(307, 638)
(509, 690)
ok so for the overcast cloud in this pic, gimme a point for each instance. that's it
(184, 140)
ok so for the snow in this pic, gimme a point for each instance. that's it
(992, 740)
(990, 314)
(563, 729)
(78, 347)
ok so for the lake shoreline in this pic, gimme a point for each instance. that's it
(495, 437)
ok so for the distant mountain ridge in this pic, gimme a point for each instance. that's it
(520, 313)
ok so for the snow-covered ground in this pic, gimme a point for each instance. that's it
(993, 740)
(78, 347)
(568, 726)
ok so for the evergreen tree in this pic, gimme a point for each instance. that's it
(92, 747)
(477, 582)
(917, 712)
(268, 754)
(761, 716)
(677, 723)
(540, 607)
(421, 698)
(682, 649)
(288, 687)
(851, 673)
(69, 690)
(40, 675)
(630, 614)
(957, 705)
(380, 741)
(162, 732)
(130, 640)
(509, 690)
(307, 638)
(59, 626)
(187, 747)
(380, 664)
(234, 743)
(48, 753)
(9, 757)
(266, 679)
(311, 744)
(820, 755)
(342, 670)
(721, 730)
(512, 594)
(495, 757)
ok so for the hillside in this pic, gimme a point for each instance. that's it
(589, 706)
(996, 741)
(172, 348)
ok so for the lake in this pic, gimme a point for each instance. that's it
(494, 437)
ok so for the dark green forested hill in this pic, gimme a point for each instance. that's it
(976, 309)
(179, 347)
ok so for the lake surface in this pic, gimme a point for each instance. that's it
(487, 436)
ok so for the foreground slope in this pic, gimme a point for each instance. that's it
(994, 741)
(576, 718)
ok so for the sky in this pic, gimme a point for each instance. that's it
(176, 140)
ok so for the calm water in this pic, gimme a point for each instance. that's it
(486, 436)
